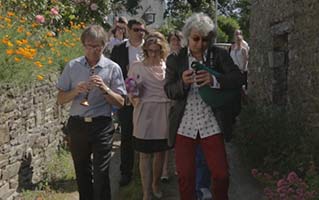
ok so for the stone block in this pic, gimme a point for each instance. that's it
(9, 105)
(14, 183)
(4, 191)
(11, 171)
(4, 134)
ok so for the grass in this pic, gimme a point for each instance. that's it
(134, 190)
(59, 182)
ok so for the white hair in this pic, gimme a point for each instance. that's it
(199, 21)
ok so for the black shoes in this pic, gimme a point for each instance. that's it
(125, 180)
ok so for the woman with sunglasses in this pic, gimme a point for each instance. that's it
(192, 121)
(150, 115)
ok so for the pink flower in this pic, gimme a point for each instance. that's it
(54, 11)
(94, 6)
(292, 177)
(281, 183)
(39, 19)
(254, 172)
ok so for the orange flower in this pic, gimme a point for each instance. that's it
(8, 20)
(9, 44)
(40, 77)
(10, 52)
(16, 59)
(20, 29)
(38, 64)
(10, 14)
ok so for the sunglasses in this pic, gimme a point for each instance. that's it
(197, 39)
(120, 28)
(139, 30)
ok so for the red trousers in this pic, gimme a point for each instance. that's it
(214, 150)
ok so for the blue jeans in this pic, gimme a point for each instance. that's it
(203, 175)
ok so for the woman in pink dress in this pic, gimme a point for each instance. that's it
(150, 115)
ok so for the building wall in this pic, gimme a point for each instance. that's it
(284, 55)
(30, 124)
(154, 6)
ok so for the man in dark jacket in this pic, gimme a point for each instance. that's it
(126, 54)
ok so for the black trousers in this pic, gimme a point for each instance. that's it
(92, 173)
(127, 151)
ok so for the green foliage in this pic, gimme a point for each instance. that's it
(228, 25)
(68, 10)
(178, 11)
(277, 141)
(243, 15)
(60, 167)
(274, 138)
(59, 178)
(31, 50)
(221, 36)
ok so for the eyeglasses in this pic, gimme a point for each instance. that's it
(120, 28)
(93, 47)
(153, 51)
(139, 30)
(197, 39)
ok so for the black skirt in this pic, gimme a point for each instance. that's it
(150, 146)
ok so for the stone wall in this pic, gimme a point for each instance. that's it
(284, 55)
(30, 123)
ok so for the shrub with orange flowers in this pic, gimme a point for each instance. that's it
(31, 50)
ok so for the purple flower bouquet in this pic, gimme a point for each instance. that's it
(131, 86)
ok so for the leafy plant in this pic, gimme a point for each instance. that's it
(31, 51)
(289, 187)
(274, 137)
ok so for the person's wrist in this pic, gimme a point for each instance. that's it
(107, 91)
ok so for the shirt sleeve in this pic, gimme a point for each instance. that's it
(117, 82)
(215, 83)
(64, 82)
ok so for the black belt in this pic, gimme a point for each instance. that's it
(91, 119)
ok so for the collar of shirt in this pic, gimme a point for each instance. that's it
(128, 44)
(191, 58)
(101, 62)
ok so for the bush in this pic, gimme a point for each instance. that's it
(228, 26)
(273, 137)
(290, 187)
(68, 10)
(31, 50)
(277, 143)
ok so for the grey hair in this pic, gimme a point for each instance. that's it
(199, 21)
(94, 32)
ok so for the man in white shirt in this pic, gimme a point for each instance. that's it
(125, 55)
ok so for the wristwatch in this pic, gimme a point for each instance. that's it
(107, 91)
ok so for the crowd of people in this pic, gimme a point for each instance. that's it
(161, 109)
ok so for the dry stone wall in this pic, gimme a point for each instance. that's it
(30, 124)
(284, 55)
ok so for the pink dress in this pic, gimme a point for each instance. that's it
(150, 115)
